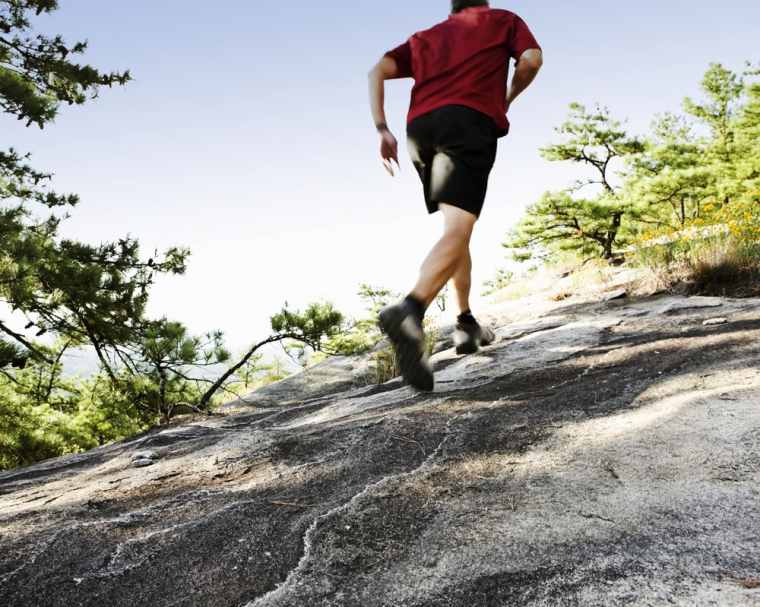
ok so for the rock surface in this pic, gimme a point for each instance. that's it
(596, 454)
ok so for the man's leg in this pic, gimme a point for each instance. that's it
(447, 255)
(463, 281)
(403, 322)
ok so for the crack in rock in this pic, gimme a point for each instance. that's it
(591, 515)
(290, 579)
(125, 519)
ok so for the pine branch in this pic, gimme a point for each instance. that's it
(24, 342)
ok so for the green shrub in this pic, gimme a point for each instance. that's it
(502, 280)
(31, 431)
(384, 362)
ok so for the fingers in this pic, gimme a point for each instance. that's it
(394, 154)
(388, 164)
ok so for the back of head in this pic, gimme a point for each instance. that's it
(460, 5)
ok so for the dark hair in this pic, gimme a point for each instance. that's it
(460, 5)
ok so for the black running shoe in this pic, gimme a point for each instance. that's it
(404, 328)
(470, 336)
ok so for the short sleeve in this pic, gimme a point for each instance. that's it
(402, 55)
(521, 39)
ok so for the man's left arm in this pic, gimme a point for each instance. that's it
(529, 57)
(526, 70)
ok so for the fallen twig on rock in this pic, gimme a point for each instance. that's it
(409, 440)
(290, 504)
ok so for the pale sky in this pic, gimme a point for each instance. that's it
(246, 136)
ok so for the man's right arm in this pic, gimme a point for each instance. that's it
(394, 64)
(386, 69)
(527, 68)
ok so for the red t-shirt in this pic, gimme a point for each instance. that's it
(464, 61)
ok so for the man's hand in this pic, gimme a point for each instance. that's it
(388, 149)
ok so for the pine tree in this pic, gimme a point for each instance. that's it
(669, 182)
(693, 165)
(717, 112)
(748, 136)
(37, 72)
(92, 294)
(565, 221)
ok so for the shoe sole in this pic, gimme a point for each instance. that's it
(401, 329)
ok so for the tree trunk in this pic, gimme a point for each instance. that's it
(609, 242)
(163, 408)
(206, 398)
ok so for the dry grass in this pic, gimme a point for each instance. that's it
(568, 279)
(481, 467)
(721, 266)
(725, 269)
(521, 287)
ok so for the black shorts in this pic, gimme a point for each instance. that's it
(453, 149)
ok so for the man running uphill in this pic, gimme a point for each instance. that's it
(458, 111)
